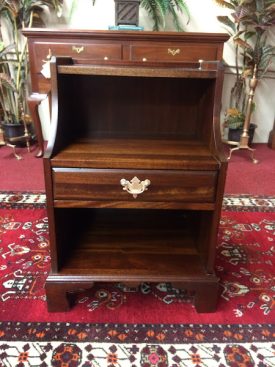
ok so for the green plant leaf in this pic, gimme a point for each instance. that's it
(7, 82)
(240, 42)
(183, 8)
(226, 4)
(156, 9)
(224, 19)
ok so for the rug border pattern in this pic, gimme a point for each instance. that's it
(136, 333)
(241, 202)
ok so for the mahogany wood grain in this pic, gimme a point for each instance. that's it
(133, 153)
(81, 50)
(165, 186)
(134, 204)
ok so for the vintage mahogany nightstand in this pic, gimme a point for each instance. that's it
(134, 167)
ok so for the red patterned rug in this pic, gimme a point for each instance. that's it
(113, 325)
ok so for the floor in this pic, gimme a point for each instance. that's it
(243, 176)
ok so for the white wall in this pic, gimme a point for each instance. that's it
(203, 19)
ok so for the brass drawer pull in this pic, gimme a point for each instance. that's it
(135, 186)
(144, 59)
(46, 70)
(49, 56)
(173, 52)
(106, 58)
(78, 50)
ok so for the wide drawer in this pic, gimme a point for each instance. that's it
(155, 185)
(173, 53)
(78, 50)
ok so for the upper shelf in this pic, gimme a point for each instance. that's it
(146, 71)
(137, 153)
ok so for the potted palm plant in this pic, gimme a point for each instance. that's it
(14, 68)
(249, 24)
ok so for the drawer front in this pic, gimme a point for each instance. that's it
(77, 50)
(148, 185)
(173, 53)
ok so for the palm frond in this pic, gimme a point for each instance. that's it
(183, 8)
(176, 21)
(156, 10)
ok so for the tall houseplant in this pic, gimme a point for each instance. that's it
(249, 24)
(14, 68)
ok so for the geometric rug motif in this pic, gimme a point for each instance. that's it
(26, 200)
(233, 202)
(249, 203)
(56, 354)
(89, 345)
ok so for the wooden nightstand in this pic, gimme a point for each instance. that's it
(134, 167)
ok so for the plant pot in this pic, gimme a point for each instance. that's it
(15, 131)
(127, 12)
(235, 134)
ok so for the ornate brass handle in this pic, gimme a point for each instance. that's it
(173, 52)
(78, 50)
(49, 56)
(135, 186)
(46, 71)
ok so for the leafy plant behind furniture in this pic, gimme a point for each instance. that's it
(14, 68)
(248, 24)
(159, 9)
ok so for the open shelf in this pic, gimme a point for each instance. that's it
(175, 71)
(109, 244)
(141, 153)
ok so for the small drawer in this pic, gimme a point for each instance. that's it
(173, 53)
(131, 185)
(77, 50)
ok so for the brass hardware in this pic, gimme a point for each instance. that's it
(173, 52)
(200, 64)
(49, 56)
(78, 50)
(106, 58)
(45, 71)
(135, 186)
(144, 59)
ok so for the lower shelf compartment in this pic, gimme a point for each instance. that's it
(131, 246)
(128, 244)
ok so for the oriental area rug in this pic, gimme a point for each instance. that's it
(150, 325)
